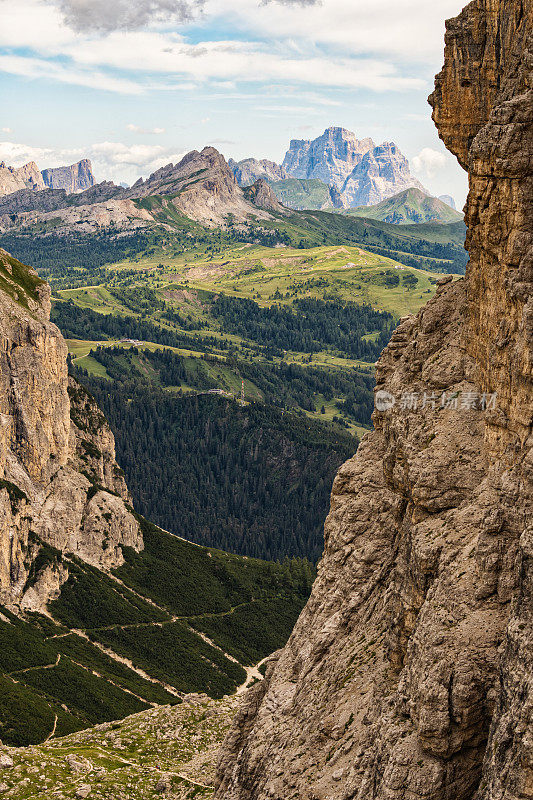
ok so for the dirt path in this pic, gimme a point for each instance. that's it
(252, 675)
(33, 669)
(161, 773)
(52, 732)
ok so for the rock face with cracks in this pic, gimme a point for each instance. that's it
(60, 486)
(409, 674)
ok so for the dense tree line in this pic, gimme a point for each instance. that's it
(250, 480)
(84, 323)
(57, 255)
(308, 325)
(287, 386)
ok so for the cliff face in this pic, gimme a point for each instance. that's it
(409, 673)
(250, 170)
(330, 157)
(59, 482)
(74, 178)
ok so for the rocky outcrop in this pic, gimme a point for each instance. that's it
(97, 208)
(12, 179)
(262, 196)
(408, 674)
(202, 186)
(60, 487)
(74, 178)
(361, 172)
(249, 170)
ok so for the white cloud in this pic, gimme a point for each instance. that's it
(139, 129)
(428, 163)
(155, 52)
(15, 155)
(39, 68)
(411, 30)
(96, 55)
(6, 130)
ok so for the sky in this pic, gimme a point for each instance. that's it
(135, 84)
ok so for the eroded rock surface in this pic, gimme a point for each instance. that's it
(59, 482)
(409, 672)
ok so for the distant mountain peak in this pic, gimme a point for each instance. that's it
(250, 170)
(203, 187)
(13, 179)
(361, 171)
(410, 206)
(73, 178)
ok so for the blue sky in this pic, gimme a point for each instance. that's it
(135, 85)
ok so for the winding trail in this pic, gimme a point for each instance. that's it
(40, 666)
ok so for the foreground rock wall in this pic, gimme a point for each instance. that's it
(409, 674)
(59, 482)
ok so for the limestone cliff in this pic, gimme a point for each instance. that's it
(74, 178)
(409, 673)
(250, 170)
(59, 483)
(360, 172)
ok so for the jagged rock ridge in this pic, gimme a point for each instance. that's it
(249, 170)
(201, 186)
(13, 179)
(409, 673)
(362, 173)
(59, 482)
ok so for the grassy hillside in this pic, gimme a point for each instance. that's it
(302, 194)
(116, 644)
(408, 207)
(63, 258)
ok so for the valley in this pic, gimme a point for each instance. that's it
(178, 342)
(272, 324)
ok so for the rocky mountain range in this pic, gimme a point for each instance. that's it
(201, 186)
(72, 179)
(357, 171)
(409, 673)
